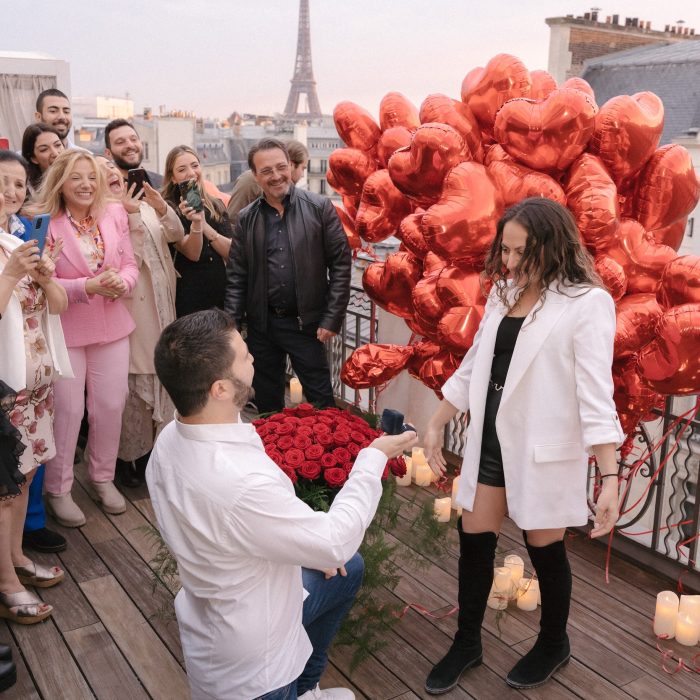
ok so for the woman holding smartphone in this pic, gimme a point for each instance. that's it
(202, 284)
(41, 145)
(537, 382)
(97, 269)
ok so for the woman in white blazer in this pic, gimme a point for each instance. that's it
(537, 383)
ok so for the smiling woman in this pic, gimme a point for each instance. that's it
(41, 145)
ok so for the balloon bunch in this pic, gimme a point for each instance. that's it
(440, 177)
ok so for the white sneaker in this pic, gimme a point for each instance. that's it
(327, 694)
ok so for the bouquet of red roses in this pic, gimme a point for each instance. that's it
(318, 446)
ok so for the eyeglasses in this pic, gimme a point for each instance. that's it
(280, 169)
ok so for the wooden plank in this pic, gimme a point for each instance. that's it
(155, 666)
(24, 688)
(97, 528)
(648, 688)
(375, 681)
(79, 557)
(105, 668)
(333, 678)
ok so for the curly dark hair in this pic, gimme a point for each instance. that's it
(554, 251)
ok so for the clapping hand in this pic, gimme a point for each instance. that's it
(107, 284)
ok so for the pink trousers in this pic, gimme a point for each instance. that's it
(103, 370)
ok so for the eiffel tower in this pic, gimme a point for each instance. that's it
(303, 82)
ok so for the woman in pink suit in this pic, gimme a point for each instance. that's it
(96, 268)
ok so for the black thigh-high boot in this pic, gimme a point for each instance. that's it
(476, 555)
(551, 650)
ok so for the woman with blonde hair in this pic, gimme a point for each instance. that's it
(202, 283)
(97, 269)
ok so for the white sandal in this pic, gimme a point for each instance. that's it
(40, 576)
(23, 607)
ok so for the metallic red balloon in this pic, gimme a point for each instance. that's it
(391, 141)
(461, 226)
(438, 369)
(349, 227)
(419, 170)
(432, 263)
(579, 84)
(592, 198)
(390, 283)
(458, 287)
(517, 182)
(458, 326)
(425, 300)
(411, 233)
(396, 109)
(382, 207)
(633, 399)
(667, 189)
(612, 274)
(627, 132)
(672, 235)
(546, 135)
(374, 364)
(355, 126)
(487, 89)
(670, 364)
(637, 318)
(350, 204)
(680, 282)
(445, 110)
(422, 351)
(348, 168)
(494, 153)
(542, 84)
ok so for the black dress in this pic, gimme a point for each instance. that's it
(11, 447)
(491, 462)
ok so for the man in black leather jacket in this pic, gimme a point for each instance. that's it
(288, 279)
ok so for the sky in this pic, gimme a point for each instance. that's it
(216, 56)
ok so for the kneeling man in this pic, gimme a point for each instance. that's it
(241, 536)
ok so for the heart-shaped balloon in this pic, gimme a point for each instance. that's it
(637, 318)
(667, 189)
(633, 399)
(374, 364)
(517, 182)
(627, 132)
(422, 351)
(348, 168)
(391, 141)
(672, 235)
(546, 135)
(542, 84)
(670, 364)
(350, 204)
(349, 227)
(425, 300)
(642, 258)
(445, 110)
(436, 370)
(592, 198)
(487, 89)
(612, 274)
(396, 109)
(680, 282)
(579, 84)
(494, 153)
(382, 207)
(390, 283)
(419, 170)
(411, 234)
(458, 287)
(461, 226)
(355, 126)
(433, 263)
(458, 326)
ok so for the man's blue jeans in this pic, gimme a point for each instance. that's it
(325, 608)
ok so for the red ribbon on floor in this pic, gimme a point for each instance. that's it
(424, 611)
(681, 665)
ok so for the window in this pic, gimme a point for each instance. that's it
(324, 166)
(323, 186)
(145, 150)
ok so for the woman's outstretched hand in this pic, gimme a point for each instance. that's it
(433, 441)
(607, 509)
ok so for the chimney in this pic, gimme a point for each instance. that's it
(594, 15)
(616, 19)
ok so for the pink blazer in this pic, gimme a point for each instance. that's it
(94, 319)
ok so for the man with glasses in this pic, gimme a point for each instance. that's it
(288, 279)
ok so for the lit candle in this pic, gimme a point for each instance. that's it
(687, 630)
(517, 569)
(455, 488)
(295, 390)
(405, 480)
(690, 605)
(422, 474)
(442, 508)
(418, 456)
(666, 614)
(500, 591)
(528, 592)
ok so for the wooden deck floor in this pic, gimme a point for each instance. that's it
(109, 636)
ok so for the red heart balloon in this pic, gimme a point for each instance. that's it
(382, 207)
(432, 263)
(670, 364)
(641, 257)
(422, 351)
(637, 318)
(517, 182)
(627, 132)
(355, 126)
(349, 227)
(391, 141)
(458, 287)
(458, 327)
(579, 84)
(411, 234)
(546, 135)
(495, 153)
(445, 110)
(680, 282)
(672, 235)
(592, 198)
(419, 171)
(350, 204)
(426, 304)
(374, 364)
(542, 84)
(667, 189)
(396, 109)
(390, 283)
(461, 226)
(633, 399)
(487, 89)
(612, 274)
(348, 168)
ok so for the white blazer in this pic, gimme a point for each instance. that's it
(557, 403)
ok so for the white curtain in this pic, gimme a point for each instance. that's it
(18, 95)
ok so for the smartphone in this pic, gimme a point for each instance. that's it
(137, 176)
(40, 227)
(190, 192)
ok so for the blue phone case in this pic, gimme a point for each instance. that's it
(40, 227)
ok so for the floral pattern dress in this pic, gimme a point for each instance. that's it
(32, 414)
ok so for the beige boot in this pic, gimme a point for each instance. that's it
(65, 510)
(106, 494)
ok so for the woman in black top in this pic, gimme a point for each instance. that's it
(202, 283)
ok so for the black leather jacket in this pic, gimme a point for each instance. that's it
(320, 256)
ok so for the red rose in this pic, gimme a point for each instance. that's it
(269, 439)
(310, 470)
(263, 430)
(335, 477)
(325, 419)
(319, 428)
(397, 465)
(285, 428)
(275, 455)
(302, 441)
(305, 409)
(294, 457)
(292, 420)
(347, 466)
(328, 461)
(258, 422)
(289, 411)
(358, 437)
(385, 473)
(276, 417)
(341, 438)
(305, 430)
(314, 452)
(308, 420)
(285, 442)
(290, 473)
(341, 454)
(353, 449)
(324, 439)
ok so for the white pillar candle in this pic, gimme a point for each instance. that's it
(517, 569)
(455, 488)
(418, 456)
(295, 390)
(405, 480)
(687, 630)
(666, 614)
(528, 593)
(690, 605)
(442, 508)
(498, 598)
(422, 474)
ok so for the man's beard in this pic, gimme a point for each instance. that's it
(123, 165)
(61, 128)
(242, 393)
